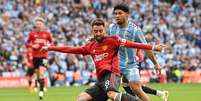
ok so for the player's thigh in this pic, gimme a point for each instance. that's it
(131, 74)
(40, 65)
(39, 62)
(30, 72)
(110, 82)
(97, 93)
(36, 62)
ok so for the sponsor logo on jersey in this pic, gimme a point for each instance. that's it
(100, 56)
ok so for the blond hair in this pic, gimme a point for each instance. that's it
(40, 19)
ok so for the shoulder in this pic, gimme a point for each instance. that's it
(89, 43)
(112, 37)
(113, 25)
(133, 25)
(32, 34)
(46, 32)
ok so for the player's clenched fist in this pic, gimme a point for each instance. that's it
(44, 49)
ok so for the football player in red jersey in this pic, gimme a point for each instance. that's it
(38, 38)
(103, 50)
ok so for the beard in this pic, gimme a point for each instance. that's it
(99, 38)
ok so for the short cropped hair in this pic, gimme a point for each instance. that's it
(123, 7)
(98, 22)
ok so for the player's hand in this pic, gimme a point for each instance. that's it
(159, 47)
(44, 49)
(158, 69)
(35, 46)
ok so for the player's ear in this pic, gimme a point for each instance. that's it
(127, 14)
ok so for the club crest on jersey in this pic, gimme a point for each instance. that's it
(44, 36)
(35, 35)
(94, 51)
(104, 47)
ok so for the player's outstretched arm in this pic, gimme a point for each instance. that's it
(130, 44)
(65, 49)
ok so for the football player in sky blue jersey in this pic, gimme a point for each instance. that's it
(127, 57)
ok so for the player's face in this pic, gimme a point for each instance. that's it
(98, 32)
(120, 16)
(40, 26)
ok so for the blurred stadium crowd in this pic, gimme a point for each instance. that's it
(173, 22)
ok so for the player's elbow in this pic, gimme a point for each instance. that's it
(148, 52)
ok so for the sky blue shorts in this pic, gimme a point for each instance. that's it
(132, 74)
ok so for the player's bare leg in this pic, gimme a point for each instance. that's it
(40, 78)
(137, 88)
(35, 84)
(115, 96)
(84, 97)
(163, 94)
(30, 78)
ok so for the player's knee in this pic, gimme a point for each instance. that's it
(111, 94)
(41, 73)
(41, 76)
(83, 97)
(136, 86)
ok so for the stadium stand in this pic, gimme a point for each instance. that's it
(173, 22)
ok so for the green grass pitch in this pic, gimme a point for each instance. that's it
(178, 92)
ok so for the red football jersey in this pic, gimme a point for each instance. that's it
(104, 54)
(40, 38)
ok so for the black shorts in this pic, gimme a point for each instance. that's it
(30, 72)
(108, 82)
(37, 62)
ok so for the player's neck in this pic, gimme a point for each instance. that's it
(123, 25)
(39, 30)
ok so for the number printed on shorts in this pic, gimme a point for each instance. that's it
(107, 83)
(45, 61)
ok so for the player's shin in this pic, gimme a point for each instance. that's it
(128, 89)
(42, 83)
(126, 86)
(125, 97)
(149, 90)
(30, 82)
